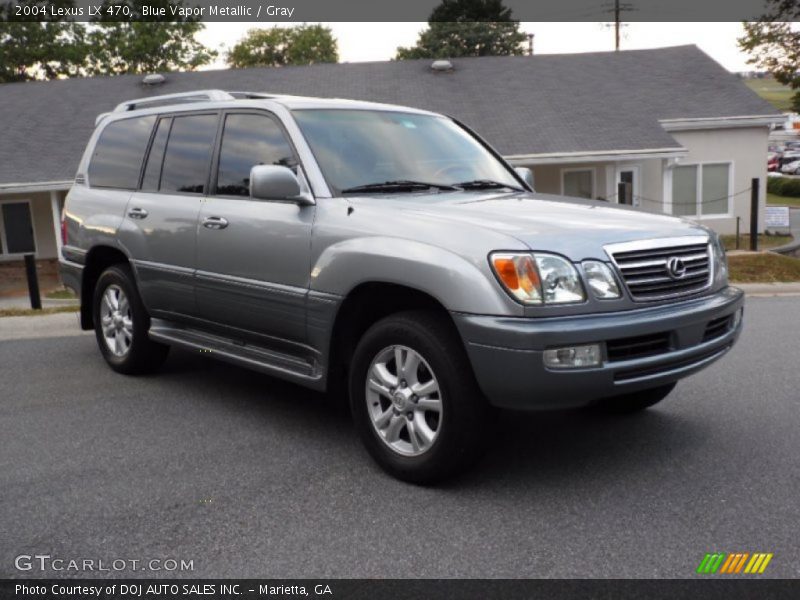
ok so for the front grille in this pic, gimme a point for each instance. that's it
(638, 347)
(647, 276)
(717, 327)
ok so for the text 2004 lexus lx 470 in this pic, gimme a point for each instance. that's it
(389, 249)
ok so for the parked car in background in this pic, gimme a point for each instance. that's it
(387, 253)
(789, 156)
(773, 162)
(792, 168)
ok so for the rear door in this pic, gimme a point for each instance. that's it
(253, 255)
(160, 226)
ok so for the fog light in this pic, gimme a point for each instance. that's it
(737, 319)
(571, 357)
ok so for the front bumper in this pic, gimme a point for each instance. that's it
(641, 349)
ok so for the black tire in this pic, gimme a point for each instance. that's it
(466, 421)
(142, 355)
(635, 401)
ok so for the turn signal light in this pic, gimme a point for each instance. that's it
(518, 273)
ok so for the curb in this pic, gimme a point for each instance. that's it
(769, 289)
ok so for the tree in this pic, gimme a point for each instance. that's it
(50, 47)
(281, 46)
(467, 28)
(774, 45)
(148, 44)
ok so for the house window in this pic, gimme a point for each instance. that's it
(16, 228)
(701, 190)
(578, 183)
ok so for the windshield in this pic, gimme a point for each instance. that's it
(357, 148)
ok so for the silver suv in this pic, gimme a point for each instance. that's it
(387, 253)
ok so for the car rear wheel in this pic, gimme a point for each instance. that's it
(121, 324)
(635, 401)
(414, 398)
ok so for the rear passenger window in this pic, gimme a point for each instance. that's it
(249, 140)
(117, 158)
(188, 153)
(152, 170)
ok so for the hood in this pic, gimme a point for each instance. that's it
(574, 228)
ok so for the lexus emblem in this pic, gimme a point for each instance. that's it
(676, 268)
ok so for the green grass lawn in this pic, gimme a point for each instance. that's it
(763, 267)
(775, 200)
(764, 241)
(776, 93)
(29, 312)
(61, 294)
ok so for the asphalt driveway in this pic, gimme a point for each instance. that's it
(248, 476)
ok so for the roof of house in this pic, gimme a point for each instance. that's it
(593, 102)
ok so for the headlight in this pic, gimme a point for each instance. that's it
(720, 261)
(601, 280)
(538, 278)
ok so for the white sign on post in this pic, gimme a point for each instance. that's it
(777, 217)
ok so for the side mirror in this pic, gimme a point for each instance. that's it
(274, 182)
(526, 174)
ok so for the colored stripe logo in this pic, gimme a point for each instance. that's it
(734, 563)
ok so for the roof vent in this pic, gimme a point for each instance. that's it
(153, 79)
(441, 65)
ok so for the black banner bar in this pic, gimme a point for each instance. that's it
(400, 589)
(275, 11)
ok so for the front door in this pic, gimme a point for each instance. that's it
(160, 226)
(253, 255)
(628, 185)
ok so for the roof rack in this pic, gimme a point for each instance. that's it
(169, 99)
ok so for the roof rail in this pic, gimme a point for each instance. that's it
(168, 99)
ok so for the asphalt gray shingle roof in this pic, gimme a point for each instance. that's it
(522, 105)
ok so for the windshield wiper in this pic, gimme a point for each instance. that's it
(485, 184)
(401, 185)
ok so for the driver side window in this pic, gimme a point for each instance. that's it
(248, 140)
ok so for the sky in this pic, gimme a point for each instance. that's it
(360, 42)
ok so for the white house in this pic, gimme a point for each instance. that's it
(684, 134)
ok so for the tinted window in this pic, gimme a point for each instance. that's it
(249, 140)
(117, 158)
(152, 170)
(186, 159)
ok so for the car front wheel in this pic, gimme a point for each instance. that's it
(121, 324)
(415, 400)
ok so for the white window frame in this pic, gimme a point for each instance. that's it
(592, 170)
(5, 256)
(699, 191)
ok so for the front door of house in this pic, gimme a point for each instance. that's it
(17, 228)
(628, 185)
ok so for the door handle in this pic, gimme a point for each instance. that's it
(215, 223)
(137, 213)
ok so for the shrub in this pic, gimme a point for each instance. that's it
(784, 186)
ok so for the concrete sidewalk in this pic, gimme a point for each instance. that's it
(42, 326)
(24, 302)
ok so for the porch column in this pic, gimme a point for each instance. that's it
(666, 181)
(56, 219)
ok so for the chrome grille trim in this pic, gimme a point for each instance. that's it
(642, 266)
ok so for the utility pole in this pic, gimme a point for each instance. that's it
(618, 8)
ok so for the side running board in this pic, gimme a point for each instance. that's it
(250, 356)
